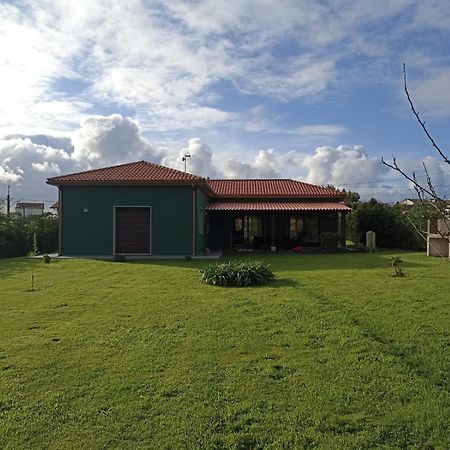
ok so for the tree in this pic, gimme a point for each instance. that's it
(392, 228)
(432, 203)
(351, 198)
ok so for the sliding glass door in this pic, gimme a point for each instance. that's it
(304, 230)
(246, 229)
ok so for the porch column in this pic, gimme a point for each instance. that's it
(343, 226)
(273, 229)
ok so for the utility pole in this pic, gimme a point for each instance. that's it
(8, 203)
(184, 159)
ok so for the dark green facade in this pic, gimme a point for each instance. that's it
(180, 224)
(201, 203)
(87, 218)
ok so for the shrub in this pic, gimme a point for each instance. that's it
(330, 241)
(19, 236)
(395, 227)
(397, 265)
(237, 273)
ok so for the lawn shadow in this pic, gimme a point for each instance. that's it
(284, 282)
(300, 262)
(276, 284)
(12, 266)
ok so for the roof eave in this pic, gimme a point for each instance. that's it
(56, 182)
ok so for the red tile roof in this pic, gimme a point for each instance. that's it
(140, 172)
(277, 206)
(145, 173)
(271, 188)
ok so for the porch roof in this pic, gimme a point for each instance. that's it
(277, 206)
(271, 188)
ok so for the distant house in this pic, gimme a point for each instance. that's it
(29, 209)
(410, 202)
(143, 208)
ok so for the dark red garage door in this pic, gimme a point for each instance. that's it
(132, 230)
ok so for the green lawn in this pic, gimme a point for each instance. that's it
(334, 354)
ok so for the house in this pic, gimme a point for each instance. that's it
(144, 208)
(29, 209)
(410, 202)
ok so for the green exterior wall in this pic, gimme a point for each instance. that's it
(91, 233)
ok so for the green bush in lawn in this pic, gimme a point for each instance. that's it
(237, 273)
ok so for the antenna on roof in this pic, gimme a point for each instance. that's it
(184, 159)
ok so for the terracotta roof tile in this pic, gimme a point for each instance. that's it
(140, 172)
(277, 206)
(270, 188)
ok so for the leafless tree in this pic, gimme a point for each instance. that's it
(430, 199)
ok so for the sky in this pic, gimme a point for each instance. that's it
(310, 90)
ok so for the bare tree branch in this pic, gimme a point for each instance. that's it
(412, 178)
(426, 191)
(421, 122)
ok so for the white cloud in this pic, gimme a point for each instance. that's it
(163, 60)
(297, 77)
(319, 130)
(431, 92)
(111, 140)
(102, 139)
(265, 164)
(25, 165)
(26, 162)
(9, 176)
(46, 167)
(35, 53)
(342, 165)
(200, 161)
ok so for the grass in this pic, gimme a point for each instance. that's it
(334, 354)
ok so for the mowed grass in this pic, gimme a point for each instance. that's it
(334, 354)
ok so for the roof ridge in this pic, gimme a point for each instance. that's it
(101, 169)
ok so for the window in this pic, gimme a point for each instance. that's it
(247, 228)
(253, 227)
(311, 230)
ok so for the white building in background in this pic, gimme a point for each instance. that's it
(29, 209)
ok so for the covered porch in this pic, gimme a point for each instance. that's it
(279, 225)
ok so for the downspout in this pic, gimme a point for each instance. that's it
(343, 227)
(59, 221)
(194, 220)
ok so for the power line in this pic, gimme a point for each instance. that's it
(397, 179)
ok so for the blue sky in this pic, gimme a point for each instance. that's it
(303, 89)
